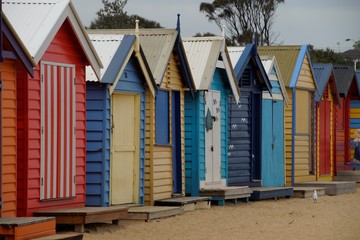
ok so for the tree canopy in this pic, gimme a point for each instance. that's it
(113, 16)
(326, 56)
(243, 19)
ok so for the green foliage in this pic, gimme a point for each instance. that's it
(326, 56)
(357, 45)
(113, 16)
(243, 19)
(207, 34)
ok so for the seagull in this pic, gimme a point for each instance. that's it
(315, 196)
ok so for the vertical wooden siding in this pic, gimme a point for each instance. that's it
(158, 160)
(64, 48)
(340, 119)
(97, 144)
(8, 138)
(330, 134)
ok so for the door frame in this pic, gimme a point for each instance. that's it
(136, 166)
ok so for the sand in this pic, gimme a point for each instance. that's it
(332, 217)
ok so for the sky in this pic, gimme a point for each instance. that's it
(322, 23)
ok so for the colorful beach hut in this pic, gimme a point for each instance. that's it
(13, 57)
(164, 137)
(245, 117)
(206, 114)
(273, 129)
(51, 114)
(354, 114)
(296, 69)
(327, 98)
(348, 90)
(115, 121)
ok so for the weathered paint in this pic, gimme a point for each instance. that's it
(158, 159)
(195, 118)
(64, 48)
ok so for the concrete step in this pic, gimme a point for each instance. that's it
(307, 192)
(331, 188)
(262, 193)
(148, 213)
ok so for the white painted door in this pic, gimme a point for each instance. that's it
(212, 139)
(125, 148)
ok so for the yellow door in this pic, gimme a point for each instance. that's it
(125, 132)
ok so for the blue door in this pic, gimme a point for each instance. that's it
(176, 142)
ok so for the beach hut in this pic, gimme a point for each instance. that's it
(348, 90)
(51, 114)
(115, 121)
(327, 98)
(245, 117)
(164, 137)
(296, 70)
(13, 57)
(354, 115)
(206, 118)
(272, 140)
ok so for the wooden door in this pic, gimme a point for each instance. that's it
(240, 140)
(125, 132)
(278, 158)
(212, 139)
(324, 137)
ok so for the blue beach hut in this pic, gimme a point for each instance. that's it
(272, 140)
(245, 117)
(206, 119)
(115, 121)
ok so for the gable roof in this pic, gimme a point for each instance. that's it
(157, 44)
(38, 21)
(115, 51)
(203, 54)
(323, 73)
(344, 75)
(20, 50)
(270, 63)
(290, 60)
(240, 58)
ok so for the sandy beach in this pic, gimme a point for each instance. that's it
(332, 217)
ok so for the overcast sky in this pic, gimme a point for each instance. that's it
(322, 23)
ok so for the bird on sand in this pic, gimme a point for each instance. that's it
(315, 196)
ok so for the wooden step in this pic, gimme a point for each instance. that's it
(331, 188)
(307, 192)
(220, 195)
(81, 216)
(187, 203)
(62, 236)
(148, 213)
(27, 227)
(262, 193)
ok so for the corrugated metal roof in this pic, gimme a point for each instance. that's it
(344, 75)
(37, 22)
(322, 73)
(270, 63)
(286, 56)
(203, 54)
(235, 54)
(157, 44)
(106, 45)
(357, 74)
(240, 58)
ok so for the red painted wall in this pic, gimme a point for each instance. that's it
(64, 48)
(8, 138)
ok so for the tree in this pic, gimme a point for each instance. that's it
(243, 19)
(357, 45)
(326, 56)
(207, 34)
(113, 16)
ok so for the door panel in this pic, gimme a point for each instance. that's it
(324, 137)
(176, 142)
(125, 148)
(212, 137)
